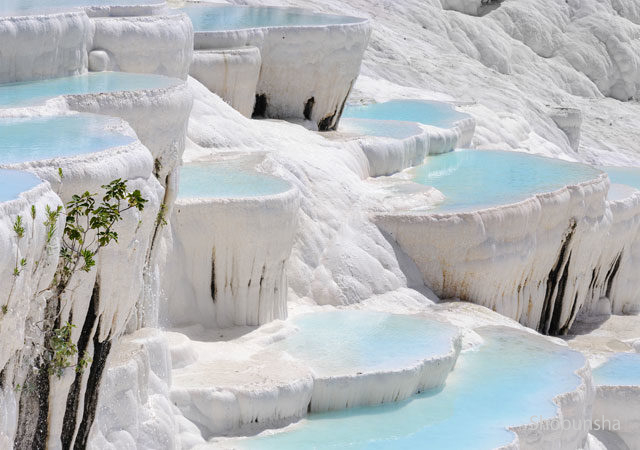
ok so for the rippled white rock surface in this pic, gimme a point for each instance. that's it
(512, 69)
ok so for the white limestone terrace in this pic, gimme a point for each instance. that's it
(89, 151)
(41, 46)
(617, 402)
(34, 93)
(546, 381)
(217, 275)
(533, 259)
(361, 358)
(337, 256)
(531, 253)
(16, 8)
(309, 61)
(20, 194)
(398, 134)
(155, 106)
(230, 385)
(231, 73)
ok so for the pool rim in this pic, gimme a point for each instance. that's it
(91, 10)
(453, 106)
(42, 185)
(205, 33)
(414, 215)
(119, 127)
(178, 84)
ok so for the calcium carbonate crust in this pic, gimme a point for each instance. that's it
(307, 71)
(124, 10)
(219, 277)
(618, 409)
(43, 46)
(23, 295)
(533, 261)
(335, 392)
(158, 116)
(573, 408)
(387, 156)
(131, 43)
(230, 73)
(135, 409)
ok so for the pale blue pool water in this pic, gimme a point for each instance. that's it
(509, 379)
(380, 128)
(34, 92)
(627, 176)
(624, 175)
(227, 180)
(622, 369)
(14, 182)
(475, 179)
(221, 18)
(42, 138)
(437, 114)
(348, 342)
(25, 7)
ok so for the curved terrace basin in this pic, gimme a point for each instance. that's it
(437, 114)
(476, 179)
(41, 138)
(14, 182)
(27, 7)
(622, 369)
(352, 342)
(235, 178)
(35, 92)
(380, 128)
(223, 18)
(620, 178)
(510, 378)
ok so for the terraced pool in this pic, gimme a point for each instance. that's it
(37, 92)
(476, 179)
(42, 138)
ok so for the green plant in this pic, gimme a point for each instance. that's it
(161, 217)
(18, 228)
(89, 226)
(62, 351)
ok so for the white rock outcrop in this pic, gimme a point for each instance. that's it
(535, 261)
(231, 73)
(43, 46)
(218, 275)
(307, 70)
(131, 43)
(387, 156)
(617, 410)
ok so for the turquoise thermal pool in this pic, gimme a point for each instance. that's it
(476, 179)
(14, 182)
(42, 138)
(624, 180)
(437, 114)
(511, 378)
(348, 342)
(227, 179)
(25, 7)
(380, 128)
(35, 92)
(622, 369)
(223, 18)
